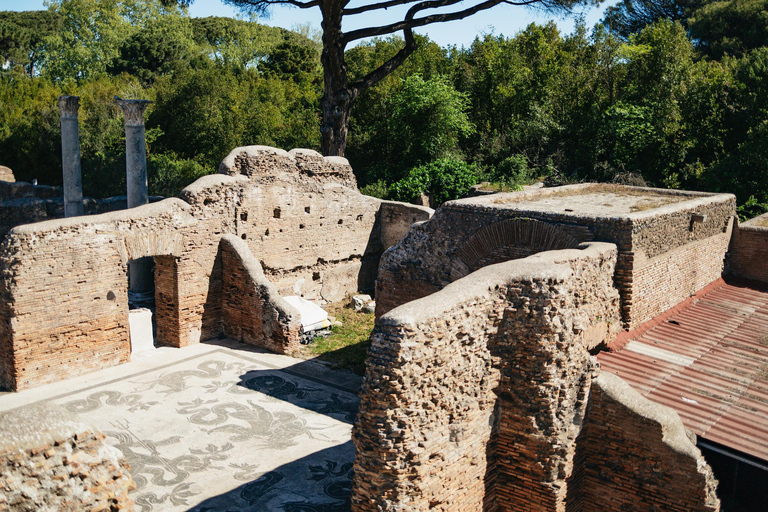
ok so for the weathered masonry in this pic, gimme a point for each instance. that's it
(670, 243)
(64, 303)
(483, 396)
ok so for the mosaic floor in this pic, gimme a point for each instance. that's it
(228, 430)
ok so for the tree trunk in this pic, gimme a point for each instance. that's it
(336, 105)
(337, 95)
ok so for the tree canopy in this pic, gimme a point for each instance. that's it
(340, 92)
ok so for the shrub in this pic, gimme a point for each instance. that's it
(444, 179)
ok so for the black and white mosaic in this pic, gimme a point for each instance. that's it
(228, 432)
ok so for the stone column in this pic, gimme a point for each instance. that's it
(70, 156)
(135, 151)
(140, 275)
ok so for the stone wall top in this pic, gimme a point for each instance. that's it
(759, 223)
(545, 265)
(265, 162)
(593, 201)
(675, 434)
(51, 424)
(166, 206)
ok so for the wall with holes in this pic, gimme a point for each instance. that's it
(63, 289)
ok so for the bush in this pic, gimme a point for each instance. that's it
(444, 179)
(168, 175)
(376, 189)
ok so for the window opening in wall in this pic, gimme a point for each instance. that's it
(276, 213)
(306, 209)
(244, 216)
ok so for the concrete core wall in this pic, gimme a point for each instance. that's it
(475, 397)
(61, 464)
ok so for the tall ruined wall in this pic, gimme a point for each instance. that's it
(302, 217)
(64, 294)
(252, 310)
(748, 252)
(456, 382)
(664, 255)
(64, 306)
(475, 399)
(61, 464)
(638, 456)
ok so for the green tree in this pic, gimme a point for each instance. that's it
(443, 180)
(631, 16)
(339, 91)
(290, 60)
(730, 27)
(160, 47)
(91, 35)
(428, 117)
(22, 35)
(238, 43)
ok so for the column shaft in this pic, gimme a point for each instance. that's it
(70, 156)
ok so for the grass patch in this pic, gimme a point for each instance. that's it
(347, 345)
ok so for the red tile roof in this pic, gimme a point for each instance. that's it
(708, 361)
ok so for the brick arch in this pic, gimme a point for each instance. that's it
(508, 240)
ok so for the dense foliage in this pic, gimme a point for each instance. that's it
(674, 103)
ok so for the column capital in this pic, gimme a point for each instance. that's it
(133, 110)
(69, 105)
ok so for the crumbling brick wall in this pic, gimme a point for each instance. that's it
(252, 310)
(64, 290)
(6, 174)
(638, 456)
(748, 252)
(313, 232)
(473, 396)
(63, 307)
(663, 258)
(61, 464)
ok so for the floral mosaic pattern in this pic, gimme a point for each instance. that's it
(225, 432)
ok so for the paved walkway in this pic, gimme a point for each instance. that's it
(221, 427)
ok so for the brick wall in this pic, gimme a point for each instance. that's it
(488, 229)
(748, 252)
(467, 389)
(313, 232)
(63, 464)
(638, 456)
(64, 291)
(475, 397)
(654, 285)
(64, 306)
(252, 310)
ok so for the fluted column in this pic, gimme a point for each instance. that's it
(70, 156)
(140, 275)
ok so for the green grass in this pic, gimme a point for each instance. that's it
(348, 345)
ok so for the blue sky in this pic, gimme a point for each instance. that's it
(502, 19)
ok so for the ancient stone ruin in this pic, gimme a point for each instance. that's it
(315, 236)
(482, 391)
